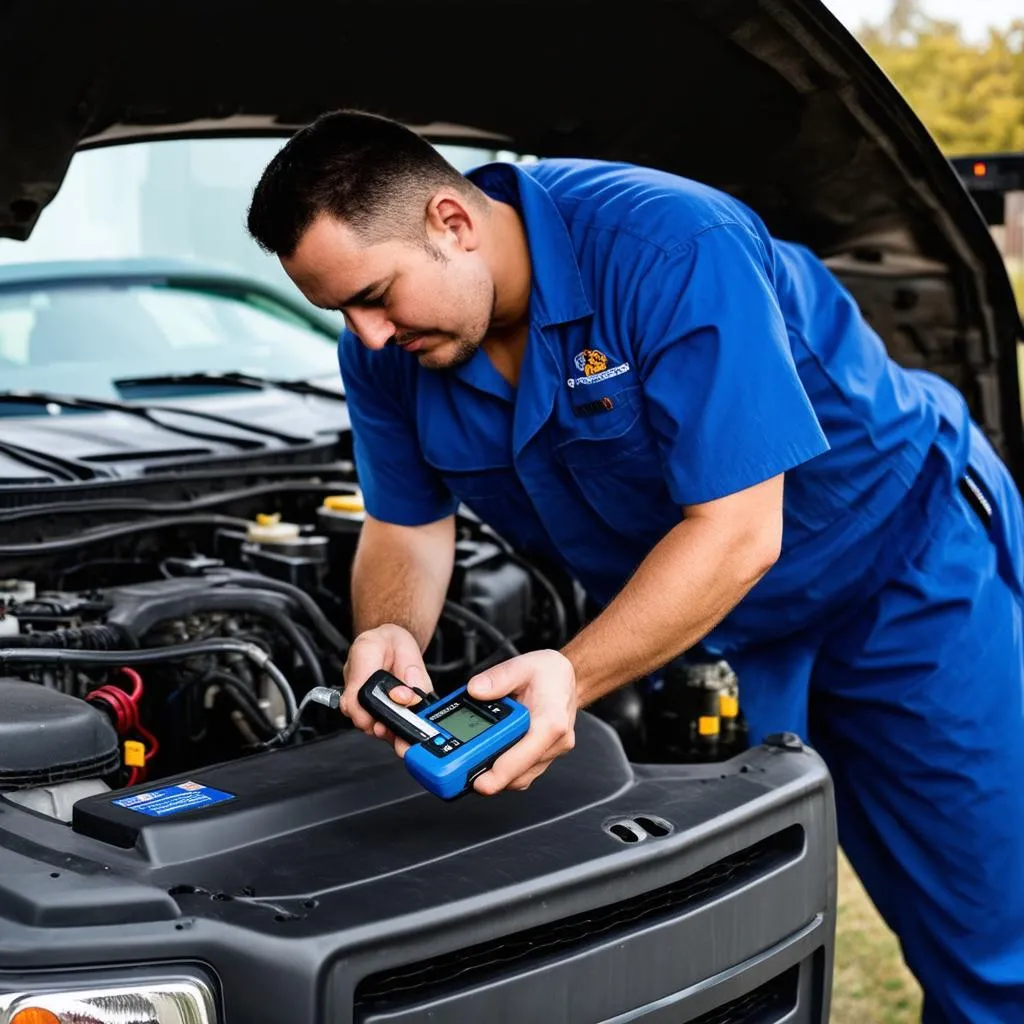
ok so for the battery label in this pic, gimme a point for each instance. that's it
(186, 796)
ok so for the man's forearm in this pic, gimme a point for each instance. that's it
(688, 583)
(401, 575)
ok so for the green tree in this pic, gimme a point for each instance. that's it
(970, 95)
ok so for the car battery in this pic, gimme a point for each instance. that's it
(321, 883)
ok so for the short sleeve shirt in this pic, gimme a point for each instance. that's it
(677, 353)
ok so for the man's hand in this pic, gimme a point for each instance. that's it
(544, 681)
(394, 649)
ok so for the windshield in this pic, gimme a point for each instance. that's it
(80, 339)
(161, 199)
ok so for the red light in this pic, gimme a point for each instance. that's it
(980, 170)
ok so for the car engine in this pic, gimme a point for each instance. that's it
(140, 639)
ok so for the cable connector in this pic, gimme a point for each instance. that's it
(326, 695)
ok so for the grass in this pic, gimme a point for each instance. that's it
(872, 984)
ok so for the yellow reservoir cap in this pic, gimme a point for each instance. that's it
(263, 519)
(707, 725)
(728, 706)
(344, 503)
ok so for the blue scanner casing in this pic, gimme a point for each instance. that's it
(453, 739)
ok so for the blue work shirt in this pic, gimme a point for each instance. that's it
(677, 353)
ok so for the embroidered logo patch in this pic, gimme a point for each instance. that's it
(591, 361)
(593, 364)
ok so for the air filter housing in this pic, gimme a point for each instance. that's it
(48, 737)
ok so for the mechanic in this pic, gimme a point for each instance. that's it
(623, 370)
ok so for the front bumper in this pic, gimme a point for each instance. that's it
(332, 889)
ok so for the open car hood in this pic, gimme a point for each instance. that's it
(770, 100)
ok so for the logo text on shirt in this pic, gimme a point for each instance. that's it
(593, 364)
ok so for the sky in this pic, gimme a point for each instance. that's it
(974, 16)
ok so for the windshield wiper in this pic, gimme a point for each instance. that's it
(145, 412)
(234, 379)
(59, 465)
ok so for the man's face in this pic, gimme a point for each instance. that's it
(434, 299)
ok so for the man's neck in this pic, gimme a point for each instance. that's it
(510, 262)
(508, 254)
(506, 351)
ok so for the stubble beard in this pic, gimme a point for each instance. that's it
(459, 350)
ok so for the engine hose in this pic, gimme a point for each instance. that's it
(557, 605)
(245, 701)
(300, 642)
(466, 617)
(329, 697)
(95, 536)
(150, 655)
(82, 638)
(309, 606)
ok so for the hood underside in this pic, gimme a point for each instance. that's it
(772, 101)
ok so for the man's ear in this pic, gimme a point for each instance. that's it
(450, 218)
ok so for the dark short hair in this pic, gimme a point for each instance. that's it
(369, 171)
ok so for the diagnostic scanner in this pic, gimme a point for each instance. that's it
(453, 739)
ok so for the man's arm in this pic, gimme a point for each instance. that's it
(687, 584)
(400, 575)
(729, 416)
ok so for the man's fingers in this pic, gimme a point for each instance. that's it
(542, 743)
(500, 680)
(366, 654)
(525, 781)
(388, 647)
(403, 695)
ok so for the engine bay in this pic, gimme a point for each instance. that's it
(135, 646)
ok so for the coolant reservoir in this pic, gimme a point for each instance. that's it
(342, 513)
(13, 592)
(341, 517)
(268, 529)
(16, 591)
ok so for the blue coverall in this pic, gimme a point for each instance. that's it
(678, 353)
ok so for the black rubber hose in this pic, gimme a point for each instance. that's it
(309, 606)
(466, 617)
(83, 638)
(243, 698)
(77, 540)
(157, 654)
(164, 508)
(562, 624)
(329, 697)
(300, 642)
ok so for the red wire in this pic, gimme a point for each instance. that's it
(136, 684)
(126, 712)
(153, 745)
(147, 735)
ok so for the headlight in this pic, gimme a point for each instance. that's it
(179, 1002)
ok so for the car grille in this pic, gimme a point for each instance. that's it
(766, 1004)
(482, 962)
